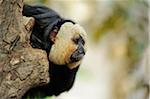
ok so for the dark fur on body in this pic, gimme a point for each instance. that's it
(61, 77)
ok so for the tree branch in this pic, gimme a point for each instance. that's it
(21, 66)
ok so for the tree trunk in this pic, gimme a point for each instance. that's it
(21, 66)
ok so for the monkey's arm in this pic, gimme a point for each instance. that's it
(45, 19)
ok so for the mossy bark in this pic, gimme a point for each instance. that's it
(21, 66)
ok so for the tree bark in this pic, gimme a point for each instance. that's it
(21, 66)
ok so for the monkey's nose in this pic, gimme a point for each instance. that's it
(77, 55)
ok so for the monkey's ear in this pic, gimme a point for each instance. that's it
(53, 34)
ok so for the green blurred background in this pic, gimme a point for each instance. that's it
(117, 39)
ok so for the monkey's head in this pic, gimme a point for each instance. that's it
(69, 45)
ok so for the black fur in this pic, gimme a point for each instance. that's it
(61, 77)
(45, 21)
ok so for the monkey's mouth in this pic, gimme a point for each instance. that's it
(77, 55)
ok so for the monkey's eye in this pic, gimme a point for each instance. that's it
(76, 40)
(79, 40)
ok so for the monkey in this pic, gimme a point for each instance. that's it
(65, 43)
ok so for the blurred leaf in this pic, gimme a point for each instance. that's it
(113, 21)
(135, 49)
(42, 1)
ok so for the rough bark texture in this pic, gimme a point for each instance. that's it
(21, 66)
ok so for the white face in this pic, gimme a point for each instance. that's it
(64, 46)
